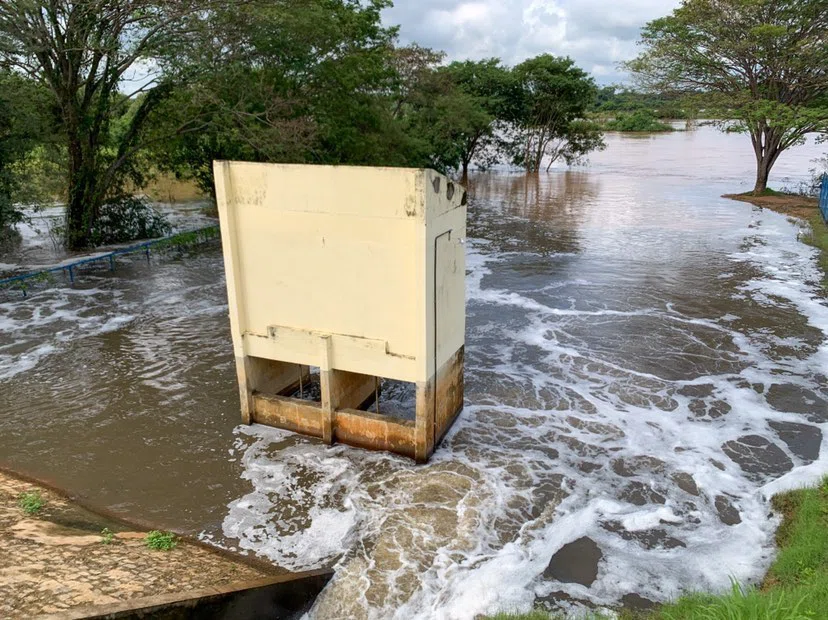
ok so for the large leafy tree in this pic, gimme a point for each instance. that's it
(83, 51)
(454, 110)
(24, 121)
(550, 122)
(315, 81)
(445, 119)
(493, 94)
(766, 59)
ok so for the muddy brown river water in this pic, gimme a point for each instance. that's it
(646, 363)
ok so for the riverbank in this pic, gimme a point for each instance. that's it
(795, 586)
(56, 556)
(804, 208)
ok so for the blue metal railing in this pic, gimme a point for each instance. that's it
(823, 198)
(199, 235)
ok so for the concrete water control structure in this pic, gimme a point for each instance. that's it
(357, 272)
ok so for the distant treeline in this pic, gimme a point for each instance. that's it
(612, 100)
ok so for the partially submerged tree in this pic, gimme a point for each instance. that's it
(493, 96)
(83, 51)
(767, 59)
(550, 123)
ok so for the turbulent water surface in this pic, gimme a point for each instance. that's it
(646, 363)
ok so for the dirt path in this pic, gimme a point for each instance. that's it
(56, 559)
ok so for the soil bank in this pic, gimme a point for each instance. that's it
(803, 207)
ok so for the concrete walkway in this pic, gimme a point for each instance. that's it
(56, 559)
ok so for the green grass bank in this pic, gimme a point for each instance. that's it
(795, 587)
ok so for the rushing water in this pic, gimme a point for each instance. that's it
(646, 362)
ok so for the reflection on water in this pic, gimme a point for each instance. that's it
(645, 362)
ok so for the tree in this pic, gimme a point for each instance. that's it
(413, 65)
(82, 52)
(492, 94)
(23, 124)
(550, 121)
(767, 60)
(445, 119)
(312, 81)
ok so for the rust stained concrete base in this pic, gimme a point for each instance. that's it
(337, 417)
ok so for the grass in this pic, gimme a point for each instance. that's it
(795, 587)
(107, 536)
(31, 502)
(161, 541)
(767, 192)
(539, 614)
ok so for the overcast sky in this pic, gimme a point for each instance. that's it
(597, 34)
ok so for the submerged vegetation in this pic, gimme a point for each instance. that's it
(107, 536)
(639, 121)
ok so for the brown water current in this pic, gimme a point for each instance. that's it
(646, 363)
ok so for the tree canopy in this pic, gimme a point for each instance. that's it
(549, 123)
(142, 86)
(766, 59)
(24, 123)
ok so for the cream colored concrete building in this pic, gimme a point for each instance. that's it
(356, 271)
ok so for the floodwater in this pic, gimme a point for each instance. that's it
(646, 363)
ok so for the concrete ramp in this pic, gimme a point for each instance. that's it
(285, 597)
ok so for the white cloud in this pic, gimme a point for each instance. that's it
(597, 34)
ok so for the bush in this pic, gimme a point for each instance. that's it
(640, 120)
(31, 502)
(161, 541)
(127, 219)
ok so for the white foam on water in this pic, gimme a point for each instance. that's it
(322, 533)
(558, 442)
(34, 328)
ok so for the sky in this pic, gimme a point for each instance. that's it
(597, 34)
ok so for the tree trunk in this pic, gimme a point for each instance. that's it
(464, 178)
(767, 147)
(762, 172)
(81, 205)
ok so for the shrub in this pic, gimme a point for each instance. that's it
(31, 502)
(127, 219)
(161, 541)
(107, 536)
(640, 120)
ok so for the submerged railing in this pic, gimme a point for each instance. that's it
(69, 269)
(823, 198)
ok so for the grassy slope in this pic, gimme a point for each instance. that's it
(795, 588)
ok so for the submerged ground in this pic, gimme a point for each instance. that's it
(646, 363)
